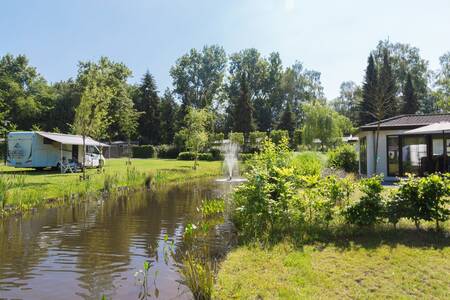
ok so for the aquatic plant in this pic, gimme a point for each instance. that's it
(110, 182)
(198, 275)
(212, 207)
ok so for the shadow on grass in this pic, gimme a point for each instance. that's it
(346, 238)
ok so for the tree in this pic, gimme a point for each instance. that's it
(169, 111)
(147, 102)
(287, 121)
(91, 115)
(129, 123)
(405, 59)
(243, 113)
(370, 87)
(324, 124)
(442, 84)
(197, 76)
(194, 132)
(68, 96)
(387, 88)
(349, 101)
(410, 103)
(25, 96)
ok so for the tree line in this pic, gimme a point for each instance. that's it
(243, 92)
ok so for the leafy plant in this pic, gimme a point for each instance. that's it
(198, 276)
(368, 210)
(343, 157)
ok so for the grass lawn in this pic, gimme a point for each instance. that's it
(38, 186)
(392, 264)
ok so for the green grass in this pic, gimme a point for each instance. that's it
(38, 187)
(379, 264)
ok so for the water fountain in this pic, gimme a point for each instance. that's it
(230, 162)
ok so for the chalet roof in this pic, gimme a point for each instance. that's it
(407, 122)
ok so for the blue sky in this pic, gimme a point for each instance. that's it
(333, 37)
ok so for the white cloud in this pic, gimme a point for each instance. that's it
(289, 5)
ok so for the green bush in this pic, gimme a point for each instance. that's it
(420, 199)
(245, 156)
(369, 209)
(144, 151)
(167, 151)
(237, 137)
(191, 156)
(343, 157)
(267, 205)
(277, 135)
(216, 154)
(297, 137)
(308, 163)
(256, 138)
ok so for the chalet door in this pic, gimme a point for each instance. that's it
(75, 152)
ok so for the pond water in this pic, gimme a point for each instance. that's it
(94, 248)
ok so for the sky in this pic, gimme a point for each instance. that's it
(332, 37)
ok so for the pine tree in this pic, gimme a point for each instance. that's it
(369, 92)
(243, 110)
(287, 120)
(168, 117)
(410, 102)
(387, 88)
(147, 101)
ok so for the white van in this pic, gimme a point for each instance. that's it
(37, 149)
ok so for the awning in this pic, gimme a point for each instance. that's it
(70, 139)
(435, 128)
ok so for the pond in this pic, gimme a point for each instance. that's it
(95, 247)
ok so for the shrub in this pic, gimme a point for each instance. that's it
(237, 137)
(405, 203)
(256, 138)
(245, 156)
(267, 205)
(297, 137)
(144, 151)
(216, 154)
(368, 210)
(191, 156)
(343, 157)
(434, 191)
(167, 151)
(277, 135)
(307, 163)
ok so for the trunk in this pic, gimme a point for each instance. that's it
(375, 163)
(195, 160)
(84, 157)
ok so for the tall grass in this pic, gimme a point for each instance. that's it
(198, 276)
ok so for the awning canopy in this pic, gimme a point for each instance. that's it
(70, 139)
(435, 128)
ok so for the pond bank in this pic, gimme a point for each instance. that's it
(32, 189)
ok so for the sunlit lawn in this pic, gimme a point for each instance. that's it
(41, 185)
(394, 264)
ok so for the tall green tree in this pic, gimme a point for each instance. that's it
(198, 75)
(243, 113)
(349, 101)
(370, 90)
(91, 115)
(169, 110)
(405, 59)
(410, 102)
(442, 84)
(287, 121)
(387, 88)
(68, 96)
(148, 103)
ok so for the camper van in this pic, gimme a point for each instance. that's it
(39, 150)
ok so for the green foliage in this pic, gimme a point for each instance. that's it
(435, 191)
(198, 276)
(307, 163)
(167, 151)
(278, 135)
(237, 138)
(343, 157)
(199, 156)
(144, 151)
(297, 138)
(110, 182)
(216, 154)
(245, 156)
(256, 138)
(368, 210)
(212, 207)
(265, 204)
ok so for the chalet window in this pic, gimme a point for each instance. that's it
(363, 155)
(393, 153)
(414, 154)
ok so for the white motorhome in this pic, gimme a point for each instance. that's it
(39, 150)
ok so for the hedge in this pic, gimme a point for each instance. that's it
(167, 151)
(191, 156)
(144, 151)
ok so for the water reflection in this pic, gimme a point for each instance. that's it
(94, 248)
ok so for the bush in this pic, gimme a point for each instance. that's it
(245, 156)
(297, 137)
(419, 199)
(277, 135)
(369, 209)
(237, 137)
(256, 138)
(144, 151)
(191, 156)
(308, 163)
(216, 154)
(343, 157)
(167, 151)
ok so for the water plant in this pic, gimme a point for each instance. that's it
(110, 182)
(198, 275)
